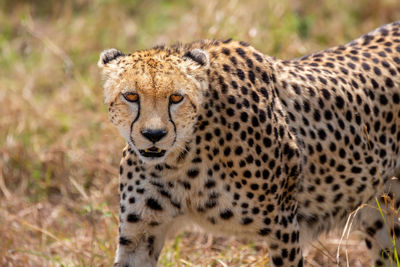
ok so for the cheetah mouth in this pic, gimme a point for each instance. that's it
(152, 152)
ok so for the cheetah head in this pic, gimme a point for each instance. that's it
(153, 97)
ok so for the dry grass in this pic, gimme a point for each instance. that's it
(58, 153)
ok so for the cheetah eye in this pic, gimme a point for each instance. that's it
(131, 97)
(175, 98)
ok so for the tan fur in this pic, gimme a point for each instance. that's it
(258, 146)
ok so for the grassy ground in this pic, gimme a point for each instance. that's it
(58, 152)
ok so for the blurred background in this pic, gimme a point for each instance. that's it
(59, 154)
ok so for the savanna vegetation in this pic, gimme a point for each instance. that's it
(59, 154)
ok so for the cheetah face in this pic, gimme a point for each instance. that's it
(153, 98)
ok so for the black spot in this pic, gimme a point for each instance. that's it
(238, 150)
(356, 169)
(247, 220)
(258, 57)
(244, 90)
(249, 63)
(344, 70)
(247, 174)
(383, 100)
(254, 186)
(374, 84)
(326, 94)
(193, 173)
(210, 184)
(227, 151)
(270, 208)
(208, 136)
(328, 114)
(316, 115)
(124, 241)
(339, 102)
(234, 85)
(264, 231)
(240, 74)
(285, 238)
(226, 68)
(377, 71)
(368, 243)
(255, 96)
(140, 190)
(267, 142)
(277, 261)
(296, 89)
(322, 134)
(330, 65)
(340, 168)
(133, 218)
(226, 51)
(265, 77)
(241, 52)
(244, 117)
(226, 214)
(389, 82)
(231, 99)
(153, 204)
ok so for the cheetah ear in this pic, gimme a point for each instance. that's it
(109, 55)
(109, 68)
(199, 56)
(196, 64)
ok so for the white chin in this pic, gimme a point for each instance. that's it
(152, 160)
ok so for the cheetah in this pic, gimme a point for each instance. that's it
(244, 144)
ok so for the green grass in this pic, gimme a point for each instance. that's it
(59, 154)
(388, 221)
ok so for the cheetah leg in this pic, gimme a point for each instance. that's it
(284, 243)
(139, 246)
(145, 220)
(380, 233)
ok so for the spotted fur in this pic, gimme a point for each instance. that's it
(260, 147)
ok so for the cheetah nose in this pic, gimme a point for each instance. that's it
(154, 135)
